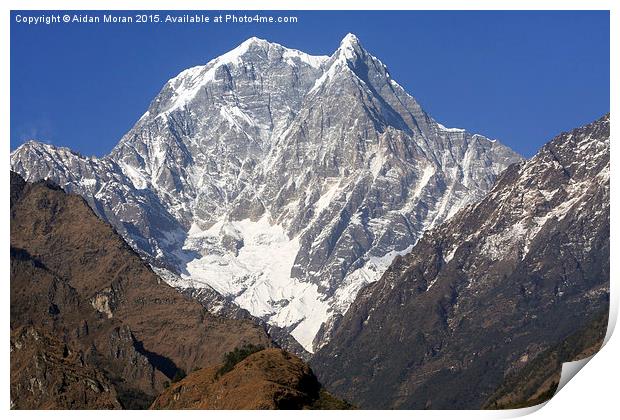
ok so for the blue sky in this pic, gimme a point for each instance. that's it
(520, 77)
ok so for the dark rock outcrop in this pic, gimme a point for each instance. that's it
(538, 380)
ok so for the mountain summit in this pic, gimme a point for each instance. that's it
(284, 181)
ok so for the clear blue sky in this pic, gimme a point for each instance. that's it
(521, 77)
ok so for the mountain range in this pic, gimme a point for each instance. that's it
(280, 228)
(486, 307)
(278, 182)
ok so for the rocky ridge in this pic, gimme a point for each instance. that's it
(489, 291)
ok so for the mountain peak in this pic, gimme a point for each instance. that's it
(264, 54)
(350, 47)
(245, 45)
(41, 146)
(219, 147)
(233, 56)
(346, 56)
(350, 39)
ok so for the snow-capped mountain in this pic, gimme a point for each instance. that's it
(482, 296)
(284, 181)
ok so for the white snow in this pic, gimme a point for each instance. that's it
(395, 84)
(329, 74)
(237, 118)
(376, 163)
(324, 201)
(450, 130)
(259, 277)
(517, 238)
(315, 61)
(345, 52)
(480, 136)
(251, 261)
(348, 46)
(450, 254)
(443, 206)
(426, 176)
(135, 176)
(89, 182)
(370, 272)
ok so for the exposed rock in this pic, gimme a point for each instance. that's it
(537, 380)
(485, 294)
(221, 306)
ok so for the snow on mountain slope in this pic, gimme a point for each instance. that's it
(283, 180)
(257, 274)
(503, 281)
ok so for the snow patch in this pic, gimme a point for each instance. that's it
(348, 46)
(376, 163)
(258, 276)
(426, 176)
(323, 202)
(136, 177)
(370, 272)
(88, 182)
(315, 61)
(450, 130)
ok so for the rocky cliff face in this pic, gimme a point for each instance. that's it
(283, 181)
(482, 295)
(91, 325)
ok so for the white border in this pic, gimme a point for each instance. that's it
(592, 394)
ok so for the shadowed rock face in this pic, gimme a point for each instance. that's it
(538, 380)
(107, 332)
(325, 165)
(487, 292)
(269, 379)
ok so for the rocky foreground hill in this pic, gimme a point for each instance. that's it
(486, 306)
(92, 326)
(266, 380)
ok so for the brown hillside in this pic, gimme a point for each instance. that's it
(47, 374)
(268, 379)
(74, 278)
